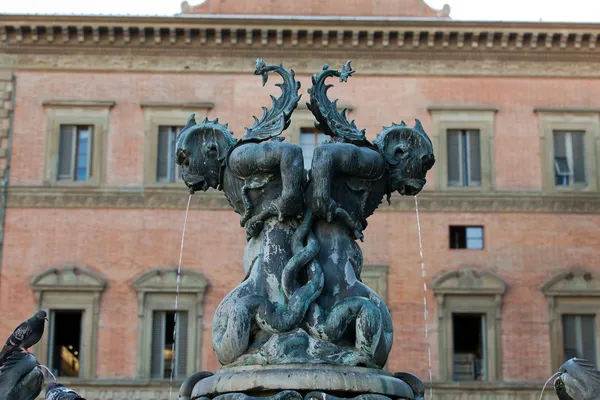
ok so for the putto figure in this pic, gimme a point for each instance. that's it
(302, 301)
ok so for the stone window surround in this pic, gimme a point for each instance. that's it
(463, 117)
(576, 291)
(156, 291)
(77, 112)
(378, 274)
(570, 119)
(66, 288)
(169, 114)
(469, 291)
(303, 118)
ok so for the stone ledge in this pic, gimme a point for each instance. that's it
(434, 108)
(79, 103)
(176, 105)
(176, 198)
(242, 61)
(566, 110)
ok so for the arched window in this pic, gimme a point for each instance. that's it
(574, 314)
(71, 296)
(156, 308)
(469, 304)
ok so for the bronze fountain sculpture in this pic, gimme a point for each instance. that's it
(302, 323)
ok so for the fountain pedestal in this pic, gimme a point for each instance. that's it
(302, 325)
(301, 381)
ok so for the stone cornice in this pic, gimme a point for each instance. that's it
(574, 110)
(176, 198)
(33, 33)
(434, 108)
(79, 103)
(176, 105)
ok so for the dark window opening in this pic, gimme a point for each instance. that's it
(65, 342)
(167, 169)
(75, 153)
(579, 337)
(466, 237)
(464, 158)
(569, 158)
(469, 347)
(163, 325)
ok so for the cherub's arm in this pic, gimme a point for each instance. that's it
(334, 159)
(268, 157)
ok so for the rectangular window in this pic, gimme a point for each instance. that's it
(163, 324)
(569, 158)
(310, 138)
(166, 168)
(579, 337)
(469, 358)
(466, 237)
(64, 347)
(75, 153)
(464, 158)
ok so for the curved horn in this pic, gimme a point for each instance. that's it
(278, 118)
(329, 120)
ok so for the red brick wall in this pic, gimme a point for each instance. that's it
(524, 249)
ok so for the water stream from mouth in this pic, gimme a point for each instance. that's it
(546, 384)
(173, 355)
(50, 372)
(425, 312)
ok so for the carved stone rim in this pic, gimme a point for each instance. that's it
(100, 283)
(320, 377)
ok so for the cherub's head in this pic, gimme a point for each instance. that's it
(201, 150)
(409, 154)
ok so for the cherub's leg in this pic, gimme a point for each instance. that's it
(321, 174)
(291, 202)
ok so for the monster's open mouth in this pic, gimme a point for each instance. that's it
(411, 187)
(196, 182)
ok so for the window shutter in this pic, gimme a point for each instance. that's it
(474, 158)
(559, 144)
(454, 162)
(162, 161)
(182, 344)
(577, 141)
(588, 340)
(158, 344)
(90, 150)
(178, 170)
(307, 144)
(66, 152)
(569, 337)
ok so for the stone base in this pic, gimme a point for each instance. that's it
(298, 382)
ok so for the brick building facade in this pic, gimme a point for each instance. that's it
(510, 215)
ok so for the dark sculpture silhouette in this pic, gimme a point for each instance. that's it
(21, 377)
(578, 380)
